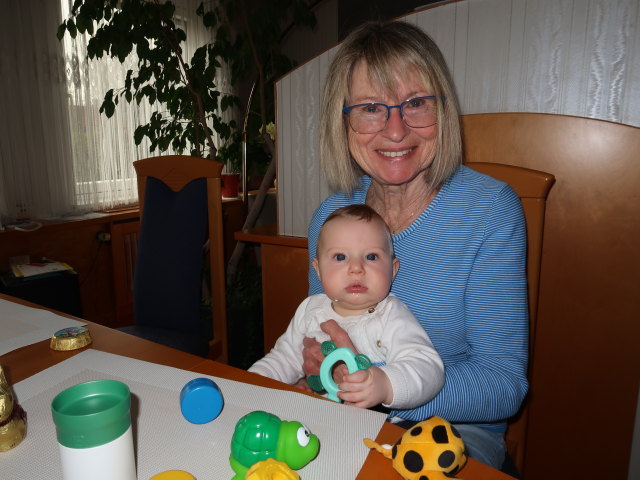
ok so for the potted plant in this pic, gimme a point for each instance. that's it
(247, 38)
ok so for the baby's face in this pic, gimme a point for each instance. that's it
(355, 264)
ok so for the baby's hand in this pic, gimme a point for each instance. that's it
(366, 388)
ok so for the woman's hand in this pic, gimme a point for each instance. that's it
(303, 385)
(338, 334)
(312, 355)
(341, 338)
(366, 388)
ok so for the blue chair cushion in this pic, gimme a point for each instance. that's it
(168, 272)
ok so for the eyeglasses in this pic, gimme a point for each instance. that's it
(419, 112)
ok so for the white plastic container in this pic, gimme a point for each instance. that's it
(93, 427)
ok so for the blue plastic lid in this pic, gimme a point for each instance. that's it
(201, 400)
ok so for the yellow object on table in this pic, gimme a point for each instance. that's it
(271, 469)
(173, 475)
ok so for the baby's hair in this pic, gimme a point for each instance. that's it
(360, 212)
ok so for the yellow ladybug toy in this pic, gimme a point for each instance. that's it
(430, 449)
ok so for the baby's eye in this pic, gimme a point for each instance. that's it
(340, 256)
(372, 256)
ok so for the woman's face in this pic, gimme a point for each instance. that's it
(398, 154)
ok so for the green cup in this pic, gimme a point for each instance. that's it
(93, 427)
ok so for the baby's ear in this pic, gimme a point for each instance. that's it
(314, 262)
(396, 266)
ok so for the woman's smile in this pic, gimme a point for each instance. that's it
(394, 154)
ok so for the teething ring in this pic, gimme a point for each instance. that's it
(334, 355)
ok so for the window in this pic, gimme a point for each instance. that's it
(58, 154)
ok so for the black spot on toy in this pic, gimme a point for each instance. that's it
(413, 461)
(440, 435)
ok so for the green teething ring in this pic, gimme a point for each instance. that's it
(343, 354)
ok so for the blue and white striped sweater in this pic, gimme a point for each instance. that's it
(463, 274)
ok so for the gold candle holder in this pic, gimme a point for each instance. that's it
(13, 419)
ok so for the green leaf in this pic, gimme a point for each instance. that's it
(81, 22)
(71, 28)
(139, 134)
(127, 81)
(108, 107)
(210, 20)
(147, 91)
(62, 28)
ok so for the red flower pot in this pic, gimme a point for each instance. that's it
(230, 185)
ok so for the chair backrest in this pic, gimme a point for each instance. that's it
(532, 186)
(180, 207)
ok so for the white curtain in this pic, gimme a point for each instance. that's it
(571, 57)
(58, 154)
(36, 176)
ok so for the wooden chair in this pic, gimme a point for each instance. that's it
(180, 208)
(124, 246)
(532, 186)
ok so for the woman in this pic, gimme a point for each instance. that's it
(390, 138)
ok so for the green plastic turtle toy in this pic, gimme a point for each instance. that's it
(260, 435)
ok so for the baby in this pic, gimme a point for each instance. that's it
(356, 265)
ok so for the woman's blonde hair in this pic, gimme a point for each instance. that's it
(386, 49)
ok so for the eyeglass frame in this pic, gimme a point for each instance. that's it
(347, 110)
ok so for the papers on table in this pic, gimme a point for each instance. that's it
(165, 440)
(21, 325)
(35, 269)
